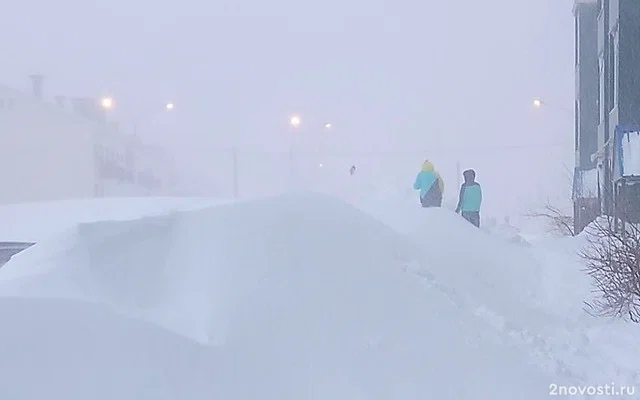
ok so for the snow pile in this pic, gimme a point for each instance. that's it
(296, 297)
(57, 349)
(34, 221)
(507, 232)
(602, 344)
(534, 292)
(487, 267)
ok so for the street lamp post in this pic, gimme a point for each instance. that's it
(294, 123)
(235, 172)
(324, 143)
(168, 107)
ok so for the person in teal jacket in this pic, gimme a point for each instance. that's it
(470, 198)
(430, 184)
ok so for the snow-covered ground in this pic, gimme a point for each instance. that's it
(36, 221)
(59, 349)
(534, 290)
(300, 296)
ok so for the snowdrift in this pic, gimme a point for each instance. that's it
(534, 293)
(32, 222)
(481, 262)
(299, 296)
(56, 349)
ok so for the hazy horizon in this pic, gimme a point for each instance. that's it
(399, 81)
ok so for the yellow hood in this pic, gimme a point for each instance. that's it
(428, 167)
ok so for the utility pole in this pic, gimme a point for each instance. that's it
(292, 168)
(235, 172)
(294, 123)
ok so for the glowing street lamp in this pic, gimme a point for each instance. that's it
(295, 121)
(537, 103)
(169, 106)
(328, 126)
(106, 103)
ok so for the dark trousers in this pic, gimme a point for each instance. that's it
(433, 198)
(473, 217)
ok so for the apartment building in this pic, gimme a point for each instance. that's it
(607, 103)
(66, 148)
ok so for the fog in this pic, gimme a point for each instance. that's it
(400, 81)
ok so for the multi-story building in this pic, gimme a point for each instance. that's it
(609, 32)
(66, 149)
(585, 193)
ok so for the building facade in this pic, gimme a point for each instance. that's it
(607, 96)
(585, 194)
(65, 149)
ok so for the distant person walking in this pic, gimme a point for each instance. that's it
(470, 198)
(430, 184)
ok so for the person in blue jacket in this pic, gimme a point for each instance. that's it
(470, 198)
(430, 184)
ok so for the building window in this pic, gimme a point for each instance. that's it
(611, 81)
(615, 68)
(601, 88)
(576, 122)
(576, 40)
(598, 89)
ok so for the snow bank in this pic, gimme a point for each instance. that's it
(535, 292)
(56, 349)
(463, 256)
(509, 233)
(31, 222)
(300, 297)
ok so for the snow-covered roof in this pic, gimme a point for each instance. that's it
(73, 108)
